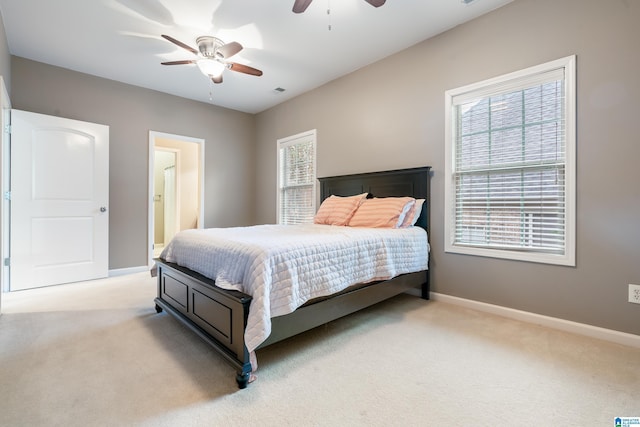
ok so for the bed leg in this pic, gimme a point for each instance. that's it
(243, 379)
(426, 289)
(158, 309)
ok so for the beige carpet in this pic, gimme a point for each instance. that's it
(97, 354)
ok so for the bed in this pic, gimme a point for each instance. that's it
(223, 317)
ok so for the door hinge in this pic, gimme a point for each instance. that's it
(7, 128)
(7, 195)
(7, 262)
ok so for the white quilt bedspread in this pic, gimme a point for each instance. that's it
(283, 266)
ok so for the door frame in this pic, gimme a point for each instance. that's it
(5, 164)
(153, 136)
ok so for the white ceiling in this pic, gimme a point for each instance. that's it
(121, 40)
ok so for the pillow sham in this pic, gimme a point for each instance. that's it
(412, 216)
(383, 212)
(338, 210)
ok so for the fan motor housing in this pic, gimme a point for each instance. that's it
(208, 45)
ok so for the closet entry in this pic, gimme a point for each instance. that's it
(59, 215)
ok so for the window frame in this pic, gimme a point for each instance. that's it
(299, 138)
(487, 88)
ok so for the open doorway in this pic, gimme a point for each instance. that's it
(166, 197)
(176, 187)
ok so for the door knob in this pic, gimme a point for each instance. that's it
(103, 209)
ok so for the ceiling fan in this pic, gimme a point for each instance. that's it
(212, 56)
(300, 6)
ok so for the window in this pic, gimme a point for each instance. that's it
(297, 178)
(510, 166)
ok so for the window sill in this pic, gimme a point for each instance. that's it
(567, 259)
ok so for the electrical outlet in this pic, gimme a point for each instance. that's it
(634, 294)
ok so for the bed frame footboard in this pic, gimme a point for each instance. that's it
(218, 316)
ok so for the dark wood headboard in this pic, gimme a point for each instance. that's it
(412, 182)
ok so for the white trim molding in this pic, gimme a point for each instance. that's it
(129, 270)
(610, 335)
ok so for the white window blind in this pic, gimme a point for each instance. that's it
(511, 167)
(296, 179)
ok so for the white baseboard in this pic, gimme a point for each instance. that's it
(129, 270)
(618, 337)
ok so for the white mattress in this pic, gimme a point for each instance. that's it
(283, 266)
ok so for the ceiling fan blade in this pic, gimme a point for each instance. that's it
(375, 3)
(183, 62)
(300, 6)
(228, 50)
(234, 66)
(217, 79)
(179, 43)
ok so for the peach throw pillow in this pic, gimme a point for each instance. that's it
(338, 210)
(384, 212)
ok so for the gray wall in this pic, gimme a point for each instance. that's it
(391, 115)
(5, 57)
(131, 112)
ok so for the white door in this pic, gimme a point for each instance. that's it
(59, 200)
(170, 210)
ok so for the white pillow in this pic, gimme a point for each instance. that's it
(412, 216)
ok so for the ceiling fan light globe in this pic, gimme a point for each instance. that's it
(211, 67)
